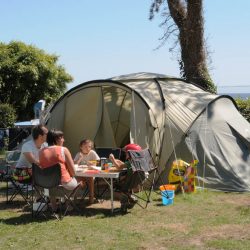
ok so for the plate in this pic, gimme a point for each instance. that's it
(82, 167)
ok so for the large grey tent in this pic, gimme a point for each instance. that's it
(175, 119)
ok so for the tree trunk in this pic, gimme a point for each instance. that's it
(193, 51)
(188, 17)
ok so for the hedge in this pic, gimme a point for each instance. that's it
(244, 107)
(8, 115)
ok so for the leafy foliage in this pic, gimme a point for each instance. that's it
(244, 107)
(28, 74)
(8, 116)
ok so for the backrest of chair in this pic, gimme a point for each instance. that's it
(105, 152)
(46, 177)
(141, 160)
(12, 156)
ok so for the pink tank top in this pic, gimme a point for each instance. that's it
(52, 155)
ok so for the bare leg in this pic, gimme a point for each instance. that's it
(53, 203)
(90, 181)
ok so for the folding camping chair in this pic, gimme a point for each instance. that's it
(16, 185)
(142, 166)
(45, 182)
(105, 152)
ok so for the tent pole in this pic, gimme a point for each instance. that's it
(172, 140)
(192, 152)
(204, 157)
(133, 106)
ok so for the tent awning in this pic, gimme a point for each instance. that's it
(27, 123)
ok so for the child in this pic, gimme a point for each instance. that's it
(130, 180)
(84, 157)
(86, 154)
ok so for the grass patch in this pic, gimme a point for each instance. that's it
(204, 220)
(229, 244)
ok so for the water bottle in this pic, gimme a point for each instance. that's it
(103, 161)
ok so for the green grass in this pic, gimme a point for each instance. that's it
(204, 220)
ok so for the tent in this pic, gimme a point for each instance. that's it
(175, 119)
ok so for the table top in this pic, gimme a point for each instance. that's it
(83, 171)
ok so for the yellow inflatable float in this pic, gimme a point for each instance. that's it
(182, 175)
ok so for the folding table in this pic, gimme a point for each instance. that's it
(108, 177)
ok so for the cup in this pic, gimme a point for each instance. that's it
(106, 166)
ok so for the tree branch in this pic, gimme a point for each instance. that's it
(155, 7)
(178, 11)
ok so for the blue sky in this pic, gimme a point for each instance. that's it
(101, 39)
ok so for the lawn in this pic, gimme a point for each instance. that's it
(203, 220)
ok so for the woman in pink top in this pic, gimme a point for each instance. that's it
(56, 153)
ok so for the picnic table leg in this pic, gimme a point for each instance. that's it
(110, 184)
(112, 195)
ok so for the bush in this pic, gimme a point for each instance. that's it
(8, 116)
(244, 107)
(25, 67)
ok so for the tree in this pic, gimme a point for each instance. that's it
(8, 116)
(28, 74)
(184, 18)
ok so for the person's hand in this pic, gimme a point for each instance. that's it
(111, 157)
(91, 163)
(80, 158)
(90, 166)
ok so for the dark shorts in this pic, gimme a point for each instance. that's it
(22, 174)
(132, 181)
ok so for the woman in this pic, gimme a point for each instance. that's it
(57, 153)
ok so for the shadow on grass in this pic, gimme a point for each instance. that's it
(25, 216)
(14, 205)
(159, 202)
(101, 213)
(23, 219)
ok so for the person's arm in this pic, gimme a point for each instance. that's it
(69, 162)
(95, 155)
(119, 165)
(30, 158)
(93, 158)
(78, 158)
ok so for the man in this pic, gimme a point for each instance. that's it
(30, 149)
(30, 154)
